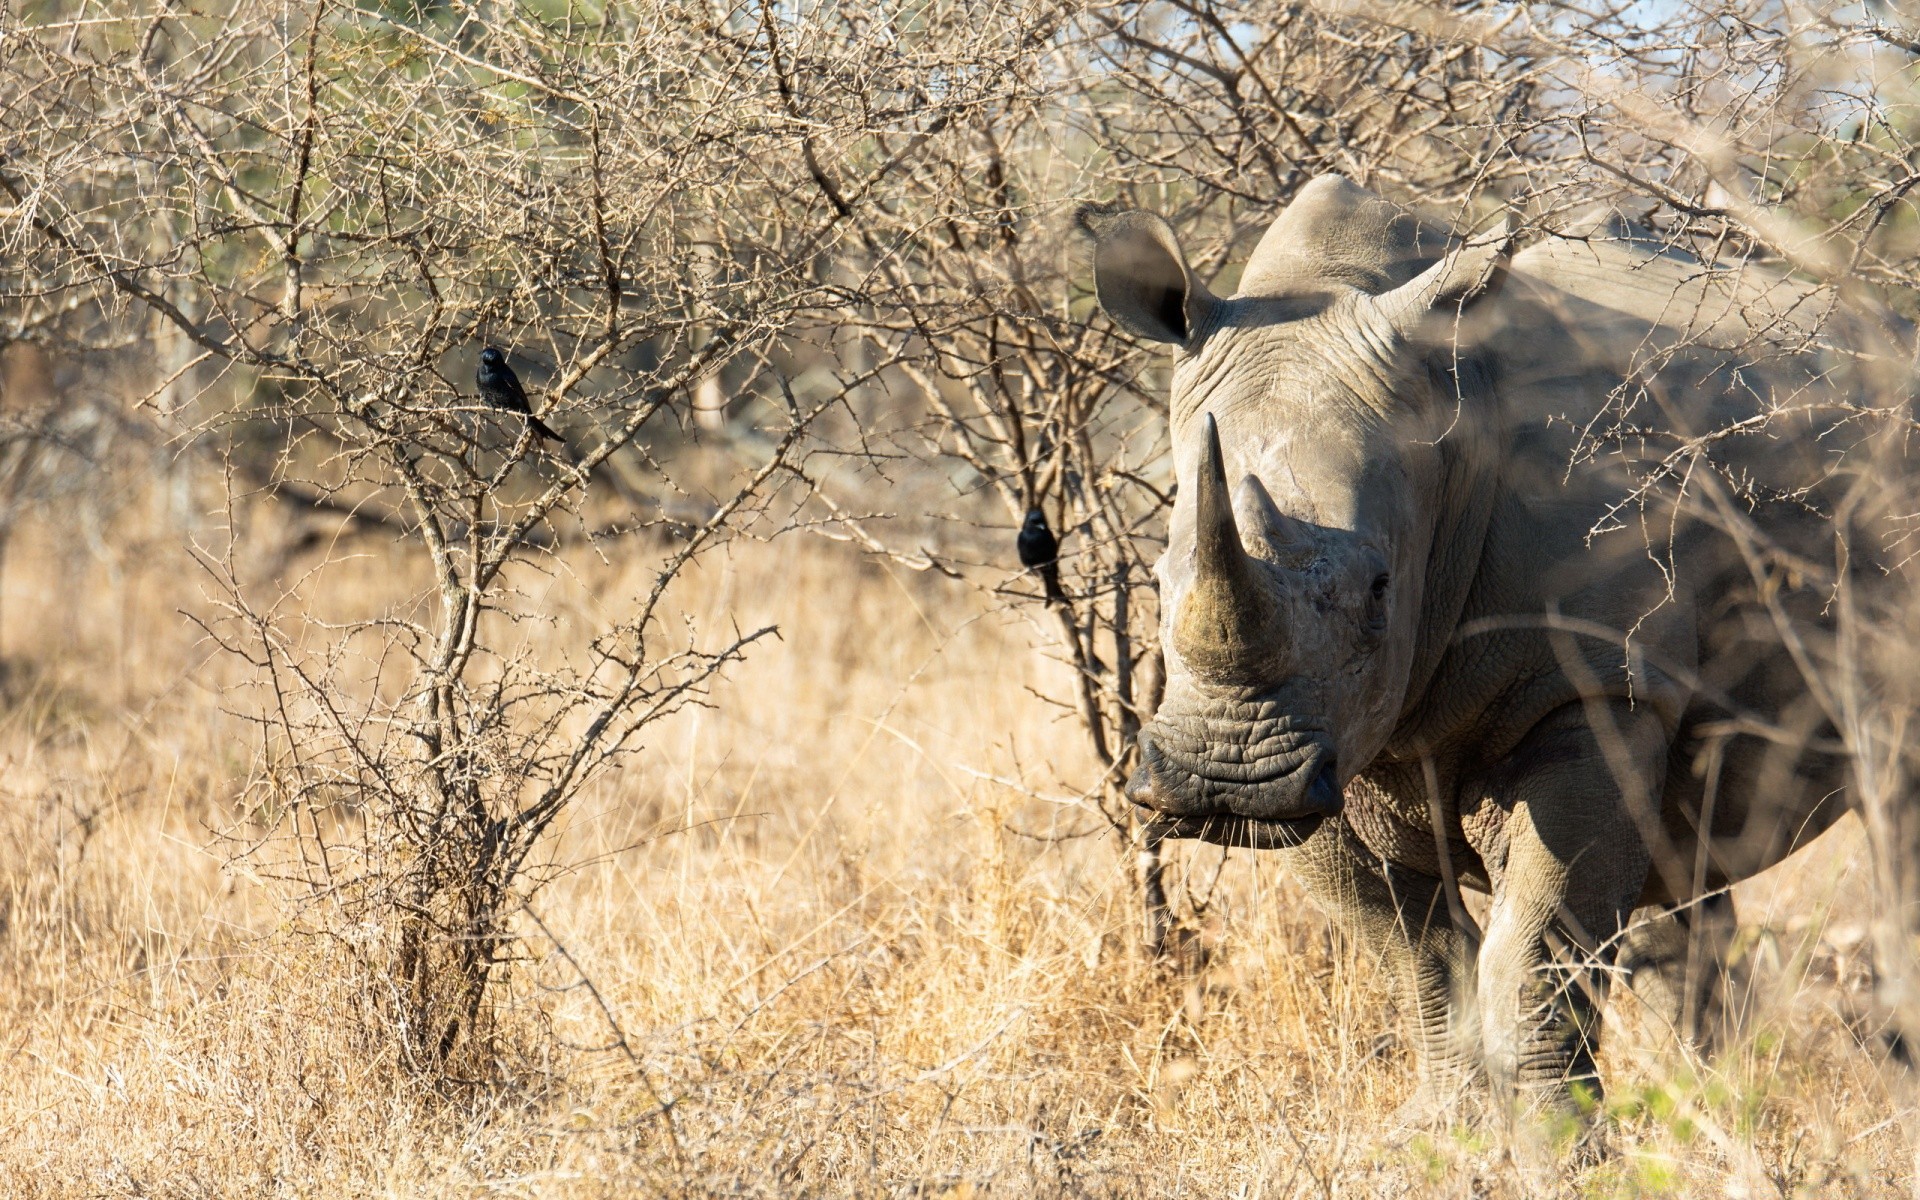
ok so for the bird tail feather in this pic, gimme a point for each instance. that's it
(1050, 579)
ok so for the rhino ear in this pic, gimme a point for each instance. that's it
(1142, 278)
(1471, 272)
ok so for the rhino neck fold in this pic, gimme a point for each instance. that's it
(1470, 487)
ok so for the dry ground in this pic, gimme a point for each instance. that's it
(833, 926)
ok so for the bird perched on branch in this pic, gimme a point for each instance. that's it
(500, 387)
(1040, 551)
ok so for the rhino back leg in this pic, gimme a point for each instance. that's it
(1569, 864)
(1403, 916)
(1675, 962)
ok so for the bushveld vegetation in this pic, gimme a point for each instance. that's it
(711, 806)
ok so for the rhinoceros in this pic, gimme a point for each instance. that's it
(1460, 593)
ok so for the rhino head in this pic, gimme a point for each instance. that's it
(1310, 411)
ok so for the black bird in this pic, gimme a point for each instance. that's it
(1040, 551)
(500, 387)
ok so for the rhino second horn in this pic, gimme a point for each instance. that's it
(1286, 537)
(1228, 627)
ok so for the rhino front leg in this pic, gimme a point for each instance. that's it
(1403, 917)
(1572, 868)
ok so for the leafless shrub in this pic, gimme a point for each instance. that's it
(329, 210)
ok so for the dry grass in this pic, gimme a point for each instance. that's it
(817, 924)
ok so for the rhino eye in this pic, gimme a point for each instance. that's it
(1380, 586)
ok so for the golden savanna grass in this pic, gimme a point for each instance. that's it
(831, 936)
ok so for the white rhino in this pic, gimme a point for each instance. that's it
(1421, 630)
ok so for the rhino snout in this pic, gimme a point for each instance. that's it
(1265, 791)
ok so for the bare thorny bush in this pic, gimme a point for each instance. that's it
(855, 225)
(332, 208)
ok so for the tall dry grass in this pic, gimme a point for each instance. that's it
(834, 937)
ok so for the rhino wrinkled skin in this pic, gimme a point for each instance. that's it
(1411, 633)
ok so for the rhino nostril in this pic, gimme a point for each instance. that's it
(1139, 787)
(1140, 784)
(1323, 795)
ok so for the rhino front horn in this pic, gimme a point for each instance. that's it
(1228, 626)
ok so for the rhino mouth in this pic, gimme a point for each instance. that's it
(1247, 833)
(1269, 800)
